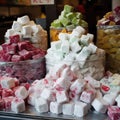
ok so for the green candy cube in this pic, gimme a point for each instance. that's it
(56, 23)
(68, 8)
(65, 22)
(83, 23)
(75, 21)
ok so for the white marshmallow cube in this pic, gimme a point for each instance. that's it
(73, 96)
(62, 96)
(80, 109)
(32, 97)
(61, 84)
(75, 47)
(87, 96)
(92, 48)
(48, 94)
(21, 92)
(109, 98)
(78, 86)
(65, 46)
(16, 26)
(7, 82)
(63, 36)
(23, 20)
(67, 74)
(18, 105)
(9, 33)
(92, 81)
(41, 105)
(118, 100)
(55, 45)
(35, 28)
(68, 108)
(91, 37)
(100, 105)
(26, 31)
(82, 56)
(55, 107)
(85, 40)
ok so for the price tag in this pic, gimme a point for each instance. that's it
(42, 2)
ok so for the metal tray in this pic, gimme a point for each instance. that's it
(31, 114)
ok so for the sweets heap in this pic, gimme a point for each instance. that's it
(69, 19)
(27, 29)
(108, 36)
(13, 94)
(111, 18)
(22, 60)
(78, 51)
(62, 92)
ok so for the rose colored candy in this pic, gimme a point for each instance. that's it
(2, 104)
(8, 101)
(14, 39)
(7, 93)
(114, 112)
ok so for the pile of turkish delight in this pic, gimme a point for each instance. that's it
(13, 94)
(77, 50)
(28, 29)
(22, 60)
(110, 18)
(62, 92)
(69, 19)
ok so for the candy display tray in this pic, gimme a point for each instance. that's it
(32, 114)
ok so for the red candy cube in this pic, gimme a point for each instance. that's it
(14, 39)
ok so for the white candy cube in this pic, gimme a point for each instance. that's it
(21, 92)
(65, 47)
(16, 26)
(63, 36)
(7, 82)
(41, 105)
(82, 56)
(32, 97)
(68, 74)
(87, 96)
(23, 20)
(48, 94)
(61, 84)
(55, 107)
(9, 32)
(118, 100)
(18, 105)
(68, 108)
(77, 86)
(92, 48)
(91, 37)
(100, 105)
(80, 109)
(26, 31)
(109, 98)
(62, 96)
(75, 47)
(84, 39)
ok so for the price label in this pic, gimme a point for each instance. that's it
(42, 2)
